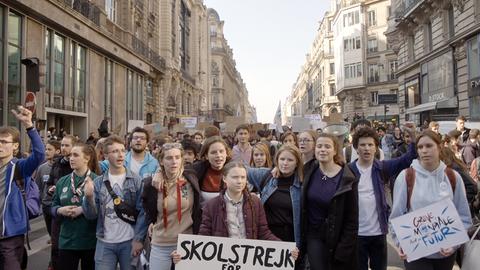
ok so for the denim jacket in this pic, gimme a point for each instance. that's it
(132, 194)
(148, 168)
(255, 177)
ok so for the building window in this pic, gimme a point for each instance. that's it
(77, 76)
(2, 81)
(332, 89)
(351, 18)
(473, 55)
(310, 97)
(427, 33)
(184, 36)
(58, 64)
(450, 19)
(372, 18)
(351, 44)
(332, 68)
(393, 69)
(111, 9)
(109, 71)
(411, 47)
(149, 90)
(330, 46)
(353, 70)
(437, 78)
(174, 29)
(373, 74)
(412, 94)
(389, 11)
(14, 37)
(372, 45)
(374, 97)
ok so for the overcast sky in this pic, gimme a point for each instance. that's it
(270, 39)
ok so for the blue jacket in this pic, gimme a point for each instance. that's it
(255, 177)
(15, 217)
(381, 172)
(132, 194)
(148, 168)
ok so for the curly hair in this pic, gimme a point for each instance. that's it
(365, 132)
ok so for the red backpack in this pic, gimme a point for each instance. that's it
(410, 178)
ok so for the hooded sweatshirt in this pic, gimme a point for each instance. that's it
(429, 188)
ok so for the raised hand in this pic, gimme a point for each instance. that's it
(23, 115)
(88, 188)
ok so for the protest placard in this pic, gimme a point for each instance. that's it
(155, 129)
(221, 253)
(425, 231)
(300, 124)
(190, 122)
(133, 124)
(232, 122)
(202, 125)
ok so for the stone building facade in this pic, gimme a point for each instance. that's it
(438, 58)
(229, 92)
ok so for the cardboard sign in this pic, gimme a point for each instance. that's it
(202, 125)
(232, 122)
(190, 122)
(220, 253)
(133, 124)
(179, 128)
(425, 231)
(300, 124)
(155, 129)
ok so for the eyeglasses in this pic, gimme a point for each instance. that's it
(138, 138)
(5, 142)
(305, 140)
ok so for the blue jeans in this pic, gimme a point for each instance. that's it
(160, 257)
(107, 255)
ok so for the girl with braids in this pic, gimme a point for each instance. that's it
(235, 197)
(171, 202)
(77, 234)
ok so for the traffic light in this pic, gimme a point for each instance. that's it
(386, 108)
(33, 73)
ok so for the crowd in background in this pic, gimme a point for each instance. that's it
(123, 201)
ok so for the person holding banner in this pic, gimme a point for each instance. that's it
(261, 156)
(214, 154)
(329, 214)
(171, 200)
(77, 238)
(427, 183)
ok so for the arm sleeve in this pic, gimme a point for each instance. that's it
(350, 226)
(30, 164)
(141, 226)
(90, 206)
(56, 200)
(399, 206)
(206, 225)
(255, 176)
(461, 203)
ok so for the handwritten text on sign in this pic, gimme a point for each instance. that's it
(219, 253)
(425, 231)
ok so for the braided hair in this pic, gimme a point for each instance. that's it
(247, 196)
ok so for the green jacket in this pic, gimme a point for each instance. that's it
(77, 233)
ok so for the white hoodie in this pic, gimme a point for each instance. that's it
(429, 188)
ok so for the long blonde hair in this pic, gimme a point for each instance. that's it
(298, 157)
(264, 149)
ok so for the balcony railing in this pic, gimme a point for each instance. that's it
(86, 8)
(141, 48)
(405, 7)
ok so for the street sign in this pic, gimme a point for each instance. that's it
(30, 101)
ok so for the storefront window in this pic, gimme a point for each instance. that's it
(14, 66)
(474, 77)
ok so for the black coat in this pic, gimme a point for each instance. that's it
(342, 222)
(60, 168)
(150, 198)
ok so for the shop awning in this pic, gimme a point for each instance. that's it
(423, 107)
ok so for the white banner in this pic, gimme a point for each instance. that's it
(425, 231)
(220, 253)
(190, 122)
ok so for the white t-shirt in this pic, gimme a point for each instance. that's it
(135, 166)
(116, 230)
(368, 224)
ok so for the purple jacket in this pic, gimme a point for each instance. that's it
(214, 218)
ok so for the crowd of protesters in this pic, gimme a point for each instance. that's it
(116, 201)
